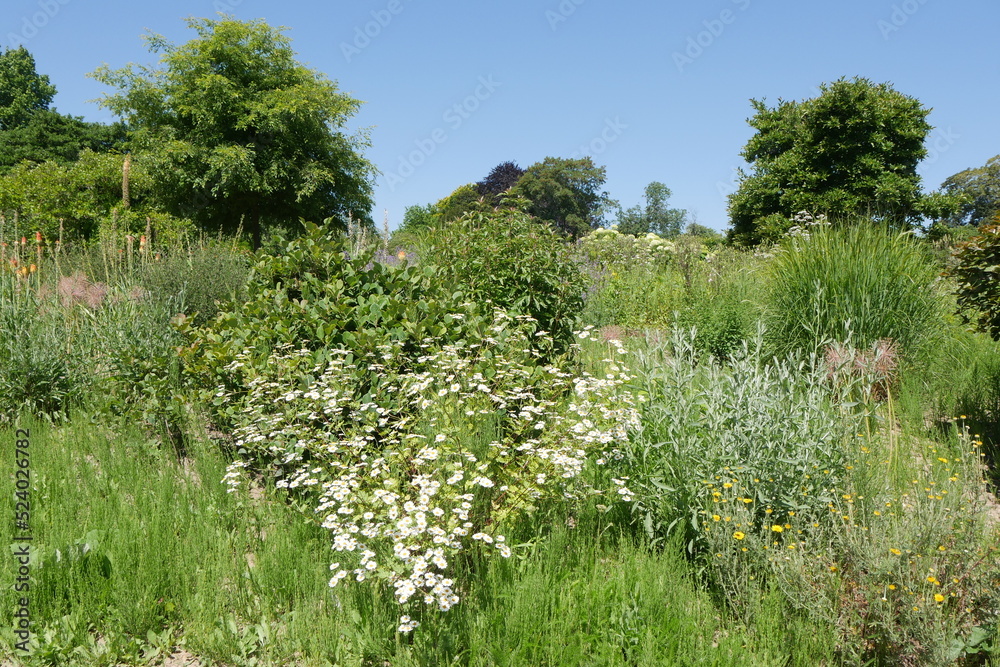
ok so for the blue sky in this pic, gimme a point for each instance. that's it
(651, 90)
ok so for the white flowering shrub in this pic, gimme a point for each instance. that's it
(417, 435)
(610, 249)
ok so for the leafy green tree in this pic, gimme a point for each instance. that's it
(980, 191)
(701, 231)
(502, 178)
(48, 135)
(655, 217)
(418, 217)
(852, 151)
(237, 131)
(461, 201)
(565, 193)
(631, 221)
(666, 222)
(22, 90)
(77, 194)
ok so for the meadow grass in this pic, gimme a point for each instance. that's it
(172, 561)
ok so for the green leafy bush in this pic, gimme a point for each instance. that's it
(976, 269)
(860, 282)
(409, 422)
(515, 262)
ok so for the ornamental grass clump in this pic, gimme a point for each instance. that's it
(857, 285)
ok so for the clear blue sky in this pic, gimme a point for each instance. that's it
(651, 90)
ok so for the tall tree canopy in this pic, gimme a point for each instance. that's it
(655, 217)
(48, 135)
(503, 177)
(236, 130)
(23, 91)
(980, 191)
(852, 151)
(565, 193)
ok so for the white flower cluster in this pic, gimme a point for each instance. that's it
(610, 248)
(233, 475)
(803, 222)
(397, 477)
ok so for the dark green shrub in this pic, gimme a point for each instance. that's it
(514, 261)
(976, 269)
(309, 293)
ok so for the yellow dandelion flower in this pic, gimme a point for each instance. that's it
(727, 485)
(738, 535)
(895, 552)
(776, 528)
(716, 517)
(892, 587)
